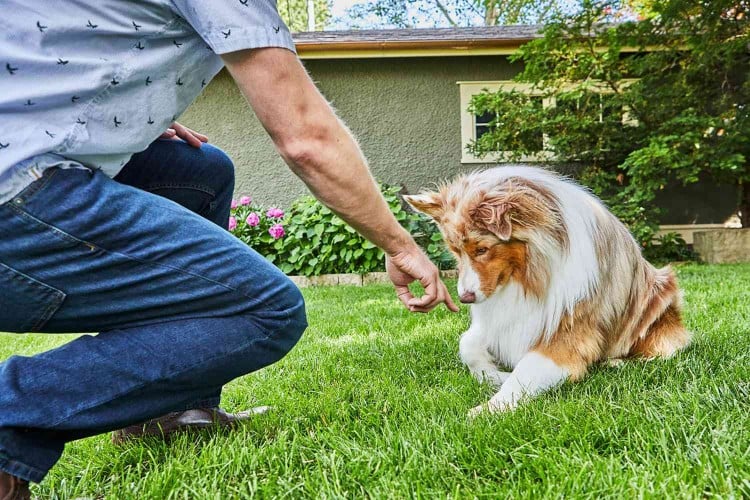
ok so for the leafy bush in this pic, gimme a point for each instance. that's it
(320, 242)
(316, 241)
(669, 247)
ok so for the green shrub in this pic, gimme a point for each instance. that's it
(667, 248)
(316, 241)
(320, 242)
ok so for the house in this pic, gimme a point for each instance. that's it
(404, 94)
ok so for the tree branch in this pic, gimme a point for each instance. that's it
(445, 13)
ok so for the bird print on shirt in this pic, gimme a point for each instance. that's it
(3, 146)
(40, 27)
(177, 44)
(203, 83)
(91, 25)
(180, 82)
(244, 2)
(50, 134)
(150, 121)
(117, 122)
(29, 102)
(148, 81)
(226, 33)
(139, 46)
(80, 122)
(62, 62)
(114, 81)
(276, 29)
(11, 69)
(74, 99)
(136, 26)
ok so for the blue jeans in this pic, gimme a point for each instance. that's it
(181, 305)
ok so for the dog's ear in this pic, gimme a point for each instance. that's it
(430, 203)
(494, 213)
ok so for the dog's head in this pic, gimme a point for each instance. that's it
(497, 234)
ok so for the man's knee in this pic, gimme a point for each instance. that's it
(219, 167)
(297, 315)
(283, 317)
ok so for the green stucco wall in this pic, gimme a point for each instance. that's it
(406, 115)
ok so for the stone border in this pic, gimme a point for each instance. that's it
(354, 279)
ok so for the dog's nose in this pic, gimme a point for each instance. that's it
(468, 297)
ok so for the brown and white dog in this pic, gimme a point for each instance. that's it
(556, 281)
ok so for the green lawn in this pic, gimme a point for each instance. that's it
(373, 402)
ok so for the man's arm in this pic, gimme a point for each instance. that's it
(322, 152)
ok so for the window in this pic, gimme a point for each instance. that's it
(474, 126)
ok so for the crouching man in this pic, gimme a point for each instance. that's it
(105, 227)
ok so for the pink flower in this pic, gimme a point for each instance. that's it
(232, 223)
(277, 231)
(252, 219)
(234, 204)
(275, 213)
(245, 200)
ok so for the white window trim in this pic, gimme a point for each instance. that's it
(468, 89)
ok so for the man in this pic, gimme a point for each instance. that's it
(95, 238)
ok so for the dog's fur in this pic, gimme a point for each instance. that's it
(557, 282)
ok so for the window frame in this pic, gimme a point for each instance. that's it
(467, 89)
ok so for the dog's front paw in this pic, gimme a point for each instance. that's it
(488, 409)
(477, 410)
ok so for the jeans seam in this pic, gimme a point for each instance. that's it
(36, 186)
(181, 185)
(269, 335)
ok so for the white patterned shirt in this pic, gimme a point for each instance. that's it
(86, 84)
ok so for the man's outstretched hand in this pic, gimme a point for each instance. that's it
(177, 130)
(406, 267)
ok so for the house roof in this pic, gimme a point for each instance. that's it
(485, 40)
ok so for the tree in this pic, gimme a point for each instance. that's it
(442, 13)
(676, 109)
(294, 13)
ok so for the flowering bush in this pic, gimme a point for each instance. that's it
(320, 242)
(258, 228)
(311, 240)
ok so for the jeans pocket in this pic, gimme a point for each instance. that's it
(26, 304)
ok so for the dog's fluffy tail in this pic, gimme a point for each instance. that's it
(660, 332)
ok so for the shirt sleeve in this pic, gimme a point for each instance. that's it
(230, 25)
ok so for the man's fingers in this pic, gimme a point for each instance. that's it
(448, 299)
(168, 134)
(430, 299)
(201, 137)
(404, 295)
(435, 293)
(187, 135)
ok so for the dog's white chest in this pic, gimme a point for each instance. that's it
(509, 324)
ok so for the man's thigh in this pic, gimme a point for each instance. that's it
(199, 179)
(90, 254)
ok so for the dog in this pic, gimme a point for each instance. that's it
(555, 281)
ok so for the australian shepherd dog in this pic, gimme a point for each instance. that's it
(555, 281)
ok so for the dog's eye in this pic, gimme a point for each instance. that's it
(480, 251)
